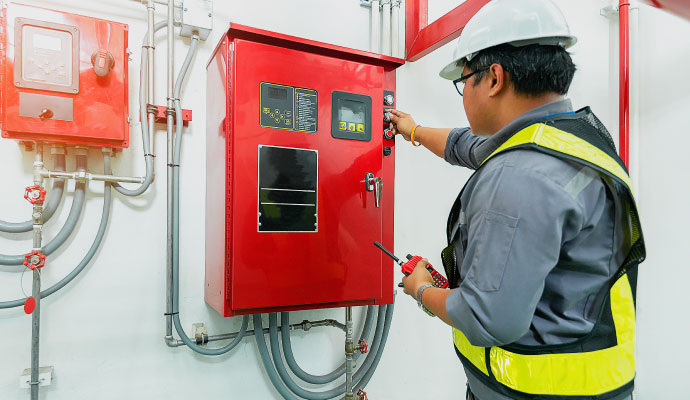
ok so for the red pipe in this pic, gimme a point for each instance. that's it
(624, 84)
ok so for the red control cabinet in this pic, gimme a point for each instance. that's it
(64, 78)
(295, 160)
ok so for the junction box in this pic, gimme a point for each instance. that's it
(64, 78)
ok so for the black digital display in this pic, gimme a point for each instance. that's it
(352, 111)
(277, 93)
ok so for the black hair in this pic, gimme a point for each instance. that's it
(533, 70)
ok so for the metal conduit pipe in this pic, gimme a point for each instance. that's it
(107, 199)
(268, 364)
(395, 28)
(335, 374)
(37, 214)
(67, 229)
(304, 325)
(146, 117)
(366, 369)
(174, 217)
(51, 205)
(386, 27)
(379, 351)
(282, 372)
(170, 182)
(375, 27)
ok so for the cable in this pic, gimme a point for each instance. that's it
(278, 362)
(107, 198)
(266, 359)
(145, 138)
(51, 205)
(176, 225)
(67, 229)
(377, 357)
(294, 366)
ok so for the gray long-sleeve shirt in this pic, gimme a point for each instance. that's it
(537, 242)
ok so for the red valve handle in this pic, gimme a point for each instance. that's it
(40, 262)
(362, 395)
(35, 194)
(363, 346)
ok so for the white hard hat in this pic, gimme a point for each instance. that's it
(515, 22)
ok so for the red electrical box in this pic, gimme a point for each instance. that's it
(64, 78)
(300, 177)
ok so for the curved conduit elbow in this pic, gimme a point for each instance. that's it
(52, 204)
(290, 357)
(67, 229)
(107, 199)
(284, 383)
(176, 224)
(145, 138)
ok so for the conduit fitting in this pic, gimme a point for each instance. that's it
(83, 176)
(57, 149)
(81, 151)
(34, 260)
(172, 342)
(35, 194)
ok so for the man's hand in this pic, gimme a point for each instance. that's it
(401, 123)
(419, 276)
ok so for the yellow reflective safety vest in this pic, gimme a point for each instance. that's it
(600, 365)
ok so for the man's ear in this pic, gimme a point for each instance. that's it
(497, 80)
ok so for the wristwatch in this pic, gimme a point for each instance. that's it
(420, 291)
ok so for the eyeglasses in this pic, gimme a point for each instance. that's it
(460, 82)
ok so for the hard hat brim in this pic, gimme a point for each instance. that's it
(453, 70)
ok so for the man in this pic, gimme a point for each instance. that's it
(544, 239)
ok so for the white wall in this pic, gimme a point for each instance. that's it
(104, 333)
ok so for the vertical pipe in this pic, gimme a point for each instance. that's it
(395, 28)
(170, 111)
(150, 8)
(634, 156)
(624, 88)
(386, 27)
(37, 216)
(35, 331)
(375, 27)
(349, 353)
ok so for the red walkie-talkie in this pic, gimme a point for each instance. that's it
(440, 281)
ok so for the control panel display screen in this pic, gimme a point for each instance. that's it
(351, 116)
(352, 111)
(277, 93)
(289, 108)
(47, 56)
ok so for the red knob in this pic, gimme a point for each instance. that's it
(35, 194)
(34, 260)
(362, 395)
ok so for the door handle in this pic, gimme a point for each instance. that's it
(374, 184)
